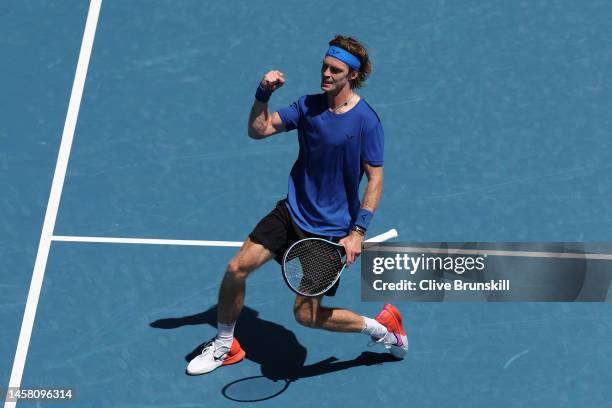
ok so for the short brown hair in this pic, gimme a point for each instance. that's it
(357, 49)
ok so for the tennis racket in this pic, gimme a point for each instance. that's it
(311, 266)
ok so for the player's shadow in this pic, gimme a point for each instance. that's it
(276, 349)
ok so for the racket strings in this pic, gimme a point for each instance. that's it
(312, 266)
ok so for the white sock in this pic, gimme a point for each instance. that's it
(225, 335)
(373, 328)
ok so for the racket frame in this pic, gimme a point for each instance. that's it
(392, 233)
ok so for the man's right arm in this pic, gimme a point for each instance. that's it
(262, 123)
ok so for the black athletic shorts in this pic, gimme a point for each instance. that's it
(277, 232)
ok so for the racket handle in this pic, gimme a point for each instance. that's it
(392, 233)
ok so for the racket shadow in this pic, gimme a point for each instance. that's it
(261, 388)
(275, 348)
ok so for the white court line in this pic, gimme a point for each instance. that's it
(146, 241)
(54, 198)
(408, 249)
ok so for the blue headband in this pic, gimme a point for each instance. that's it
(344, 56)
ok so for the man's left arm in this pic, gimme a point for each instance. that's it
(352, 242)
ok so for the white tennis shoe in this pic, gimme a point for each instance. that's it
(212, 358)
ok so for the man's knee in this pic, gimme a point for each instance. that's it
(249, 258)
(235, 271)
(305, 314)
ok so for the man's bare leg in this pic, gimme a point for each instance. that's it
(309, 312)
(231, 293)
(224, 349)
(386, 329)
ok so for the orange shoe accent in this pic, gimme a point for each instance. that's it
(235, 355)
(391, 318)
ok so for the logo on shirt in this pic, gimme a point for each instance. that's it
(349, 137)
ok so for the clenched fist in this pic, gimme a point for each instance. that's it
(273, 80)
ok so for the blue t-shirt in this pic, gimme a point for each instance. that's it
(323, 196)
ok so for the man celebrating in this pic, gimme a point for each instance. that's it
(340, 138)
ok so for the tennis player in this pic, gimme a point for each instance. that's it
(340, 138)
